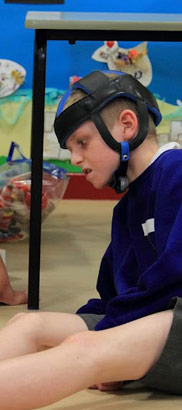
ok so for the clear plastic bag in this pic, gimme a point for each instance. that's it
(15, 194)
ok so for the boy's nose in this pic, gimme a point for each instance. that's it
(76, 159)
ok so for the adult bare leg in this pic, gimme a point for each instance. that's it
(8, 295)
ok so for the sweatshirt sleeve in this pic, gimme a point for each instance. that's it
(162, 280)
(104, 282)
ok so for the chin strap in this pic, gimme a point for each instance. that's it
(119, 181)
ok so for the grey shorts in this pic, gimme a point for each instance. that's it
(166, 375)
(90, 319)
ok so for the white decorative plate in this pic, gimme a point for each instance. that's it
(12, 76)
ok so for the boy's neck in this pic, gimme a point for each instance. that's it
(141, 157)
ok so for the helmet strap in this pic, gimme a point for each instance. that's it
(119, 181)
(105, 133)
(143, 121)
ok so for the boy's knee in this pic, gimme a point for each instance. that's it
(16, 318)
(83, 339)
(28, 322)
(86, 344)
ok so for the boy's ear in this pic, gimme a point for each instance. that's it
(128, 122)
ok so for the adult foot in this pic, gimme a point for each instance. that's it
(14, 297)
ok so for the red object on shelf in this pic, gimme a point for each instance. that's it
(110, 44)
(80, 188)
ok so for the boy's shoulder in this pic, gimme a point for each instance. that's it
(169, 158)
(167, 169)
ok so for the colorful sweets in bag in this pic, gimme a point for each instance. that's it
(15, 199)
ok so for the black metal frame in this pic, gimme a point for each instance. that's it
(41, 37)
(35, 1)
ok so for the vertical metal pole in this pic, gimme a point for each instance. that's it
(38, 101)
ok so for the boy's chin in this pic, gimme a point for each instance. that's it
(100, 185)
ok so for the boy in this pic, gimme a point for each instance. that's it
(109, 128)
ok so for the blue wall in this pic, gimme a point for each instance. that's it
(16, 43)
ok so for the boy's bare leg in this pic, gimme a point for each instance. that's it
(123, 353)
(8, 295)
(32, 332)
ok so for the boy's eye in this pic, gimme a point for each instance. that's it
(82, 142)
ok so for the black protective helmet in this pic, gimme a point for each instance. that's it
(100, 90)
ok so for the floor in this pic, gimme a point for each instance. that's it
(74, 238)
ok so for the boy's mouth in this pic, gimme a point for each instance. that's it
(86, 171)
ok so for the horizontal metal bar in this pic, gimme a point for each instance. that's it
(124, 35)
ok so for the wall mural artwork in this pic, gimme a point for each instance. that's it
(141, 60)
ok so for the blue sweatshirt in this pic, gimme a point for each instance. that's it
(142, 267)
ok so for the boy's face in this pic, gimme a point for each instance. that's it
(89, 151)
